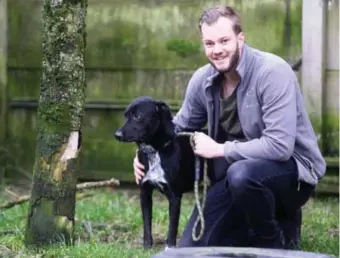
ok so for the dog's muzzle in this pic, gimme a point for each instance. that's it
(119, 135)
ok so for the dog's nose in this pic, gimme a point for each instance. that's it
(119, 135)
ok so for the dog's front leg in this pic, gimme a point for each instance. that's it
(146, 207)
(174, 213)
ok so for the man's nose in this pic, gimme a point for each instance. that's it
(217, 50)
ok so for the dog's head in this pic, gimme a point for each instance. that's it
(144, 118)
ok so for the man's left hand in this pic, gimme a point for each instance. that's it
(207, 147)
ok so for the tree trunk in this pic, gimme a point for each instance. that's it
(60, 113)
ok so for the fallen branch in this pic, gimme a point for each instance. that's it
(99, 184)
(80, 187)
(11, 193)
(18, 201)
(8, 232)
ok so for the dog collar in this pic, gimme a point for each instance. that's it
(148, 149)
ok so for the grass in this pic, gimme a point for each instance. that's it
(116, 224)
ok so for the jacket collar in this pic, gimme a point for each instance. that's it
(242, 67)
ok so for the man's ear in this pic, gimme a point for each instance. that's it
(241, 38)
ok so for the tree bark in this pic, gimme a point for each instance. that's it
(60, 114)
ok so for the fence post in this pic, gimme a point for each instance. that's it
(3, 69)
(313, 56)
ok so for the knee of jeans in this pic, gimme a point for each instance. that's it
(238, 177)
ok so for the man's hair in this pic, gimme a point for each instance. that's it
(211, 15)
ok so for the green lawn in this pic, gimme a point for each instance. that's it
(114, 227)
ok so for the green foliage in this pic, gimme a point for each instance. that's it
(182, 47)
(320, 231)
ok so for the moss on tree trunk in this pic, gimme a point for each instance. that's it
(60, 113)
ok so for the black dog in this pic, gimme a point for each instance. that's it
(168, 159)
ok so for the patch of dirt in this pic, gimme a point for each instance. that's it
(332, 232)
(5, 252)
(157, 242)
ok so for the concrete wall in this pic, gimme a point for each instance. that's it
(332, 58)
(320, 69)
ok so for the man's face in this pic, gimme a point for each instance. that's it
(221, 44)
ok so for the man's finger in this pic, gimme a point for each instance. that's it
(139, 172)
(137, 176)
(194, 140)
(137, 164)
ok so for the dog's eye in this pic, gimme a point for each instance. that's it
(137, 118)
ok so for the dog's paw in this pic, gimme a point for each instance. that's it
(147, 245)
(168, 247)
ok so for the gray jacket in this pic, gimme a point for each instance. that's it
(271, 111)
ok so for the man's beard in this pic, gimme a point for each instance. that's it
(234, 59)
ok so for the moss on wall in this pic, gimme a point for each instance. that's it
(330, 133)
(124, 34)
(144, 35)
(327, 131)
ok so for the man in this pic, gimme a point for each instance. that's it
(263, 150)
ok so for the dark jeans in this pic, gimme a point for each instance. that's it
(258, 204)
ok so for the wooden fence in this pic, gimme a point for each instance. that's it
(134, 48)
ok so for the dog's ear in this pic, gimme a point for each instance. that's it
(166, 116)
(164, 110)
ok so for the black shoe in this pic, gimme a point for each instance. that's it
(292, 231)
(278, 243)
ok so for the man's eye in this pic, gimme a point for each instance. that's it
(225, 41)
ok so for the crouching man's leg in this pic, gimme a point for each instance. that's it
(225, 224)
(261, 188)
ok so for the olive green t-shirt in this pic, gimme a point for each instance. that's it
(229, 119)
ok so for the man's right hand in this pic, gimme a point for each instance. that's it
(138, 169)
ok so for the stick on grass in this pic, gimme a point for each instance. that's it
(80, 187)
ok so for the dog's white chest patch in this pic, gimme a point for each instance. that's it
(155, 173)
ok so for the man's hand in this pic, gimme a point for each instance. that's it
(207, 147)
(138, 169)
